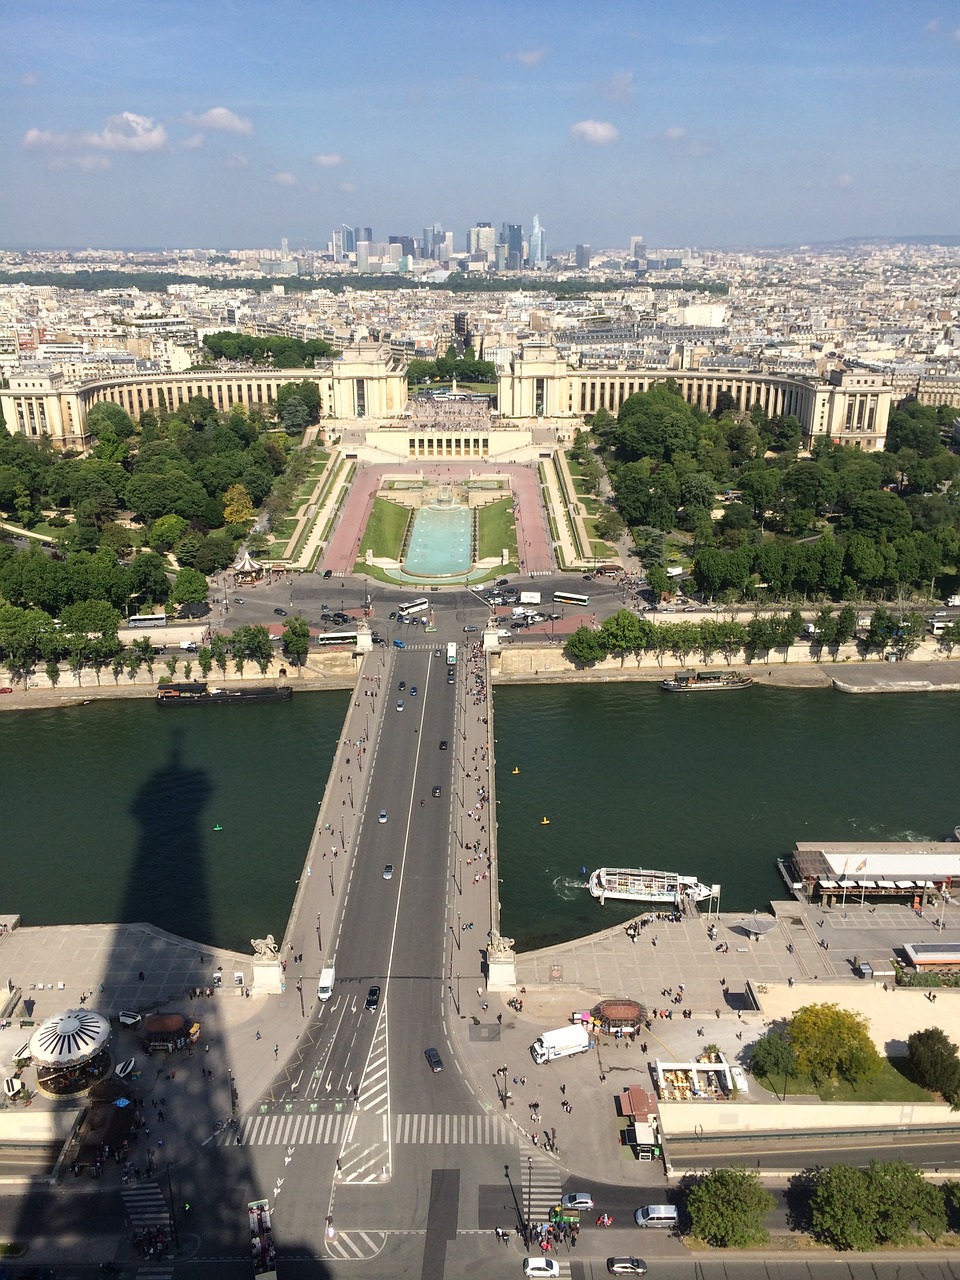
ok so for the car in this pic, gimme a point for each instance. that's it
(470, 627)
(588, 577)
(502, 582)
(443, 744)
(391, 617)
(577, 1200)
(504, 634)
(413, 691)
(6, 689)
(399, 700)
(328, 574)
(626, 1267)
(239, 600)
(451, 678)
(940, 613)
(398, 644)
(281, 613)
(372, 1000)
(326, 616)
(402, 685)
(434, 1061)
(383, 817)
(541, 1266)
(377, 638)
(437, 653)
(437, 792)
(388, 871)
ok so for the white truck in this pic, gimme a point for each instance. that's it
(325, 986)
(953, 601)
(561, 1043)
(529, 597)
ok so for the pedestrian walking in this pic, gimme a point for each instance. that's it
(259, 1037)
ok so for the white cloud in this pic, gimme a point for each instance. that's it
(328, 159)
(598, 133)
(618, 88)
(346, 186)
(220, 118)
(236, 161)
(127, 132)
(46, 139)
(677, 140)
(285, 179)
(194, 141)
(528, 57)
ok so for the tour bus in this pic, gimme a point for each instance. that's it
(451, 654)
(414, 606)
(331, 639)
(570, 597)
(147, 620)
(607, 570)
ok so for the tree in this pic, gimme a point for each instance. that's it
(296, 640)
(190, 588)
(237, 507)
(935, 1064)
(658, 582)
(620, 634)
(583, 647)
(842, 1209)
(294, 415)
(610, 524)
(220, 651)
(164, 532)
(831, 1043)
(772, 1057)
(727, 1208)
(862, 1208)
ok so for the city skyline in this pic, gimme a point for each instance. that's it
(232, 124)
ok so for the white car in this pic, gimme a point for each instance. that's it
(383, 817)
(543, 1266)
(577, 1200)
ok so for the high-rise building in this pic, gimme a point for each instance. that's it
(538, 243)
(336, 245)
(432, 240)
(349, 239)
(445, 249)
(405, 243)
(481, 238)
(638, 250)
(361, 233)
(583, 257)
(511, 234)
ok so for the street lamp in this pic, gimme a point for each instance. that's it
(319, 940)
(526, 1225)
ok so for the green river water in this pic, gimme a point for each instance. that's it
(109, 810)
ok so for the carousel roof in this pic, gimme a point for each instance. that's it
(245, 563)
(74, 1036)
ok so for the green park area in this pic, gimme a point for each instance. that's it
(383, 536)
(496, 530)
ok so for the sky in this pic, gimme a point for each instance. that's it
(232, 124)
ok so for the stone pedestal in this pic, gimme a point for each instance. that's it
(501, 964)
(268, 978)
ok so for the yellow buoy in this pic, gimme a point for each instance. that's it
(515, 769)
(544, 822)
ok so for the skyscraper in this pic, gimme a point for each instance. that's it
(583, 257)
(481, 238)
(349, 239)
(538, 243)
(361, 233)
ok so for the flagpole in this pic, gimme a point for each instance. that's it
(846, 863)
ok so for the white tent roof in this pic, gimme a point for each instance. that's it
(245, 563)
(74, 1036)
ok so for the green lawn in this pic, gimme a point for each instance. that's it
(497, 529)
(383, 535)
(889, 1085)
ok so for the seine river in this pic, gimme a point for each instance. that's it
(110, 811)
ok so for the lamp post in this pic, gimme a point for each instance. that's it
(300, 994)
(526, 1225)
(319, 939)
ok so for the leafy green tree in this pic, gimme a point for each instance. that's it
(620, 634)
(610, 524)
(842, 1208)
(164, 532)
(935, 1064)
(831, 1043)
(53, 672)
(294, 415)
(727, 1208)
(205, 659)
(761, 635)
(772, 1057)
(879, 1205)
(116, 668)
(685, 637)
(190, 588)
(583, 647)
(731, 638)
(658, 582)
(295, 640)
(220, 651)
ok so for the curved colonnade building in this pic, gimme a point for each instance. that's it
(365, 392)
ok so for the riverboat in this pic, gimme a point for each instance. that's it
(697, 681)
(659, 888)
(197, 694)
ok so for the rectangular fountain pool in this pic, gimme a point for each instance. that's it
(440, 543)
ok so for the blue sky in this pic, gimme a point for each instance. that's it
(228, 123)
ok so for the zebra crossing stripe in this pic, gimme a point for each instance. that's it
(409, 1128)
(146, 1206)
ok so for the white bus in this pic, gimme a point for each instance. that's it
(331, 639)
(451, 654)
(415, 606)
(147, 620)
(570, 597)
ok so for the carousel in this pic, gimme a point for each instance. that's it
(246, 570)
(71, 1052)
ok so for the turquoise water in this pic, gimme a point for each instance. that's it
(441, 542)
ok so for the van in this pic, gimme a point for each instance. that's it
(656, 1215)
(325, 986)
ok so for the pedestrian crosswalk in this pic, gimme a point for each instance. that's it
(355, 1246)
(146, 1206)
(316, 1128)
(541, 1188)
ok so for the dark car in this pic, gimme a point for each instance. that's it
(502, 582)
(281, 613)
(434, 1061)
(392, 616)
(413, 691)
(238, 600)
(372, 1000)
(402, 685)
(437, 793)
(328, 573)
(443, 744)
